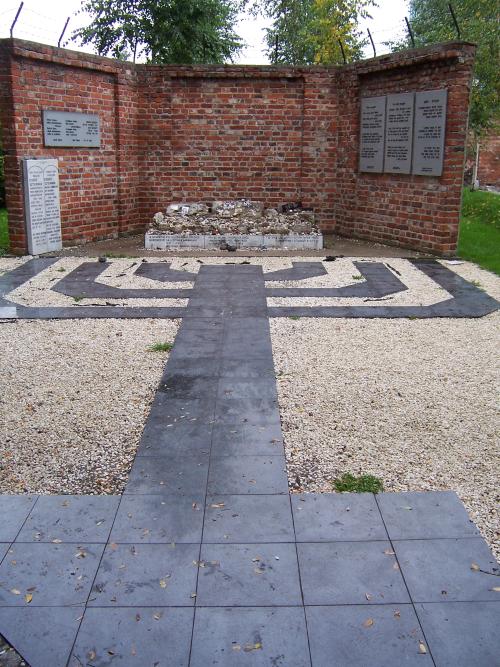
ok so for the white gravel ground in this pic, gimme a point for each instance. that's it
(74, 396)
(412, 402)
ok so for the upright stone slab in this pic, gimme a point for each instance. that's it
(398, 133)
(42, 205)
(372, 134)
(430, 125)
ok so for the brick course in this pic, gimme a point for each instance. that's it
(272, 134)
(488, 172)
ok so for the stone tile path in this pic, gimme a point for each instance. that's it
(207, 560)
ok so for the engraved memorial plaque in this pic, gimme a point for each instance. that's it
(430, 125)
(42, 207)
(68, 129)
(372, 134)
(398, 133)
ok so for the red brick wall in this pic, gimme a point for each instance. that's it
(488, 172)
(215, 132)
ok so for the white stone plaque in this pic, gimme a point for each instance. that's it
(162, 241)
(430, 125)
(372, 134)
(67, 128)
(42, 205)
(398, 133)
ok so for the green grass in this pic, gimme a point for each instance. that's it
(361, 484)
(160, 347)
(4, 234)
(479, 237)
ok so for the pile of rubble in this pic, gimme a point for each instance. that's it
(240, 216)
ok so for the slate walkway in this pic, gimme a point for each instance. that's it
(207, 560)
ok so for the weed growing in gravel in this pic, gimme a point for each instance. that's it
(477, 284)
(61, 269)
(78, 298)
(361, 484)
(357, 277)
(294, 317)
(160, 347)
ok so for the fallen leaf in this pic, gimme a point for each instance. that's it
(368, 623)
(422, 648)
(368, 596)
(236, 647)
(56, 541)
(475, 567)
(193, 595)
(395, 566)
(389, 552)
(157, 616)
(496, 589)
(137, 617)
(28, 597)
(91, 655)
(15, 591)
(217, 505)
(397, 614)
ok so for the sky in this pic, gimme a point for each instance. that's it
(43, 22)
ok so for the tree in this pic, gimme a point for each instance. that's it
(307, 32)
(162, 31)
(478, 20)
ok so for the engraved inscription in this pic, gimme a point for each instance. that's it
(65, 129)
(42, 205)
(398, 133)
(372, 127)
(430, 125)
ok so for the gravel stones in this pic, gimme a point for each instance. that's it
(412, 402)
(74, 396)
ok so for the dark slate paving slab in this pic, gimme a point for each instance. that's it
(159, 519)
(244, 519)
(194, 366)
(176, 475)
(55, 574)
(331, 517)
(70, 519)
(350, 573)
(366, 635)
(248, 474)
(245, 440)
(44, 636)
(299, 271)
(162, 272)
(246, 368)
(378, 282)
(146, 575)
(250, 388)
(439, 570)
(257, 411)
(425, 515)
(181, 438)
(180, 386)
(259, 636)
(82, 282)
(248, 575)
(188, 409)
(462, 634)
(14, 511)
(133, 637)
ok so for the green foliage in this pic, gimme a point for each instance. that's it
(162, 31)
(361, 484)
(2, 175)
(479, 237)
(307, 32)
(4, 232)
(160, 347)
(478, 20)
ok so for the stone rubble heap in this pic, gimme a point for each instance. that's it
(240, 216)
